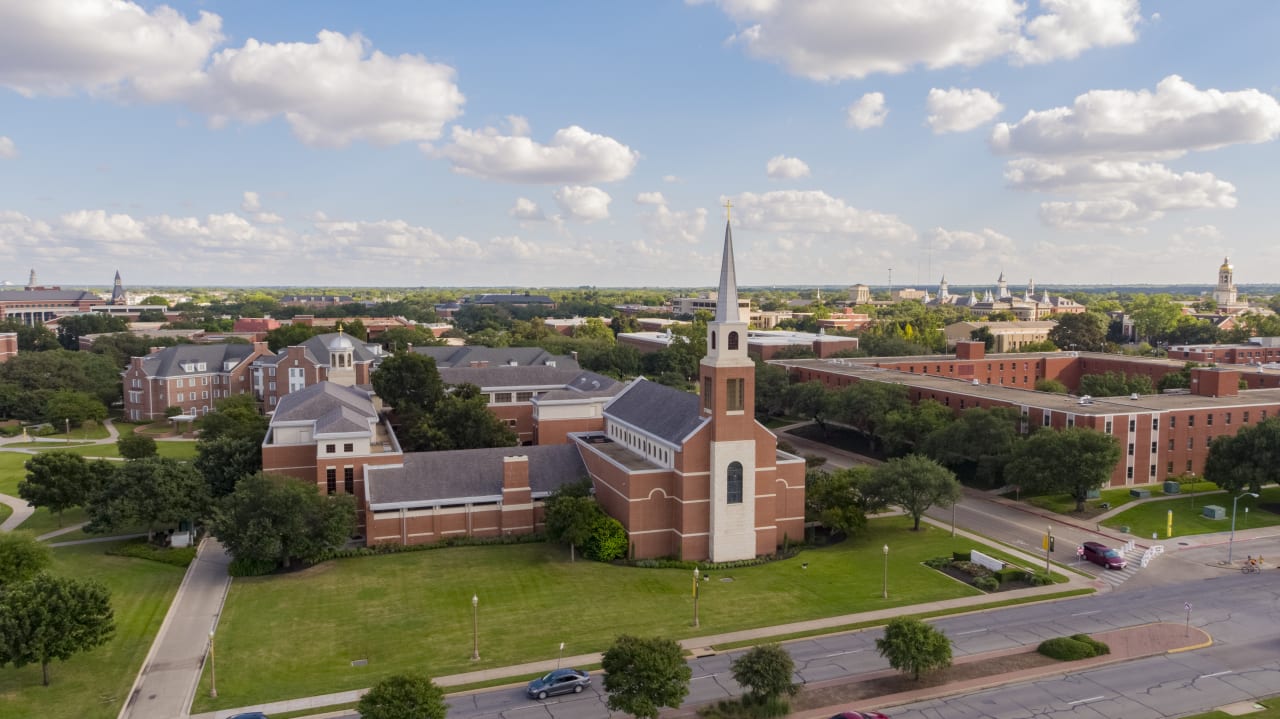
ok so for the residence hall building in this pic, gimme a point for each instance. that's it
(1257, 351)
(334, 357)
(188, 376)
(331, 435)
(540, 396)
(35, 304)
(1161, 436)
(687, 475)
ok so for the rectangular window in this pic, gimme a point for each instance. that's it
(1046, 418)
(1130, 449)
(1169, 468)
(271, 371)
(734, 400)
(1173, 421)
(297, 378)
(204, 394)
(1128, 473)
(1153, 471)
(1191, 420)
(1133, 425)
(1191, 442)
(349, 480)
(330, 448)
(706, 393)
(178, 383)
(524, 396)
(1171, 446)
(331, 479)
(1188, 465)
(181, 396)
(1154, 449)
(1228, 420)
(1155, 423)
(271, 385)
(1245, 418)
(1071, 422)
(1108, 427)
(1208, 420)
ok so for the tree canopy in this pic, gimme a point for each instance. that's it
(977, 444)
(1084, 331)
(765, 671)
(57, 481)
(1072, 461)
(155, 492)
(643, 675)
(1248, 460)
(49, 617)
(914, 647)
(915, 483)
(21, 558)
(270, 521)
(408, 379)
(136, 446)
(403, 696)
(571, 515)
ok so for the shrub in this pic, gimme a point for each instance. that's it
(746, 709)
(972, 569)
(1040, 579)
(1099, 648)
(937, 562)
(245, 567)
(178, 557)
(961, 556)
(172, 411)
(1066, 649)
(986, 584)
(608, 540)
(1010, 574)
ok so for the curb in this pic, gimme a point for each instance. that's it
(1060, 519)
(1202, 645)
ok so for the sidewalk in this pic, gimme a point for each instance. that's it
(21, 511)
(171, 672)
(523, 672)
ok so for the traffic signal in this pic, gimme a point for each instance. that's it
(1051, 542)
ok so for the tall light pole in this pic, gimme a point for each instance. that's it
(213, 669)
(1231, 542)
(475, 628)
(68, 423)
(953, 519)
(885, 593)
(560, 656)
(695, 596)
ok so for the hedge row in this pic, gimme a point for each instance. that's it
(1072, 648)
(178, 557)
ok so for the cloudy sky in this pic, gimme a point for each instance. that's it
(595, 143)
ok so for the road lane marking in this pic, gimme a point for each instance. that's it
(1081, 614)
(1085, 701)
(971, 631)
(1215, 674)
(837, 654)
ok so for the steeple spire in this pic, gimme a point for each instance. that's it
(727, 298)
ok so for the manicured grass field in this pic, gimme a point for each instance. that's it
(5, 511)
(1117, 497)
(1272, 711)
(1150, 517)
(175, 449)
(297, 634)
(95, 685)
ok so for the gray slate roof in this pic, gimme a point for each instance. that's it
(524, 377)
(522, 356)
(440, 476)
(169, 361)
(316, 349)
(511, 299)
(586, 384)
(662, 411)
(333, 407)
(47, 295)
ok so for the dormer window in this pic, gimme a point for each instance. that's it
(202, 367)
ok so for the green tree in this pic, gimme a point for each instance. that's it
(608, 540)
(156, 300)
(151, 316)
(594, 329)
(866, 405)
(73, 407)
(771, 389)
(978, 444)
(136, 446)
(1052, 386)
(236, 416)
(1246, 461)
(223, 461)
(271, 521)
(401, 338)
(1154, 316)
(905, 428)
(643, 675)
(983, 335)
(1072, 461)
(571, 516)
(73, 327)
(1115, 384)
(403, 696)
(1085, 331)
(764, 671)
(62, 370)
(31, 338)
(408, 379)
(289, 336)
(914, 647)
(462, 420)
(841, 500)
(915, 483)
(56, 481)
(809, 399)
(155, 492)
(48, 618)
(21, 558)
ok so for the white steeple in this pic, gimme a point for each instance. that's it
(727, 298)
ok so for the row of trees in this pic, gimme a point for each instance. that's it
(429, 416)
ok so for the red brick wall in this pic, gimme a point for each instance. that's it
(557, 431)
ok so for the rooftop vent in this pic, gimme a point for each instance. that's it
(976, 383)
(1133, 396)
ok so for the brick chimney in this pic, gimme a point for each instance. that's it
(517, 500)
(970, 350)
(1215, 382)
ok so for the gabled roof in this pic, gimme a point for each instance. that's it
(552, 377)
(433, 476)
(662, 411)
(172, 361)
(318, 346)
(333, 407)
(464, 356)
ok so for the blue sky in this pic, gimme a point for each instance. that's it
(589, 143)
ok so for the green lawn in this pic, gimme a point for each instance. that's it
(12, 472)
(176, 449)
(1272, 711)
(45, 445)
(1117, 497)
(5, 511)
(95, 685)
(295, 635)
(1147, 518)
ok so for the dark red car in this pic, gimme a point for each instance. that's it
(860, 715)
(1103, 556)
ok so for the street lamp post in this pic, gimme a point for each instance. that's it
(696, 591)
(560, 656)
(213, 669)
(475, 628)
(953, 519)
(885, 592)
(68, 425)
(1231, 541)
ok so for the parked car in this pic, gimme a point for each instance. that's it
(860, 715)
(1103, 556)
(560, 681)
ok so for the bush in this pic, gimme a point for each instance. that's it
(1010, 574)
(1040, 579)
(972, 569)
(746, 709)
(986, 584)
(1099, 648)
(961, 556)
(1066, 649)
(245, 567)
(608, 540)
(178, 557)
(937, 562)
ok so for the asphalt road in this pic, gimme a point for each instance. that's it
(1239, 611)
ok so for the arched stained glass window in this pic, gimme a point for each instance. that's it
(733, 495)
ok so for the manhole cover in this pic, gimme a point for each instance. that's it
(359, 662)
(726, 579)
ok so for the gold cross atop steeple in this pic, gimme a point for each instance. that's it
(728, 210)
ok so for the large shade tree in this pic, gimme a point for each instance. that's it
(156, 493)
(914, 647)
(271, 521)
(977, 444)
(1084, 331)
(915, 483)
(48, 617)
(1248, 460)
(57, 481)
(403, 696)
(644, 674)
(1071, 461)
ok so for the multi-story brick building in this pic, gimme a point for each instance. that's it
(1162, 435)
(37, 304)
(8, 345)
(1259, 350)
(333, 357)
(1009, 336)
(190, 377)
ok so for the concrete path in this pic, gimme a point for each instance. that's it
(21, 511)
(167, 682)
(59, 532)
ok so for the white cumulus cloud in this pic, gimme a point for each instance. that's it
(572, 155)
(662, 224)
(965, 242)
(956, 110)
(867, 111)
(8, 150)
(650, 198)
(587, 204)
(815, 212)
(830, 40)
(526, 209)
(780, 167)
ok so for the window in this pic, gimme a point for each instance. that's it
(1047, 416)
(524, 396)
(1169, 468)
(1071, 422)
(348, 447)
(297, 378)
(330, 448)
(1128, 473)
(1228, 420)
(1173, 421)
(1191, 420)
(271, 371)
(1131, 449)
(181, 396)
(713, 340)
(501, 397)
(1171, 447)
(349, 480)
(1108, 428)
(1245, 418)
(733, 492)
(733, 340)
(1154, 449)
(734, 400)
(1191, 442)
(204, 394)
(1188, 465)
(1153, 471)
(1133, 425)
(1208, 420)
(331, 479)
(1155, 423)
(706, 393)
(178, 383)
(271, 385)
